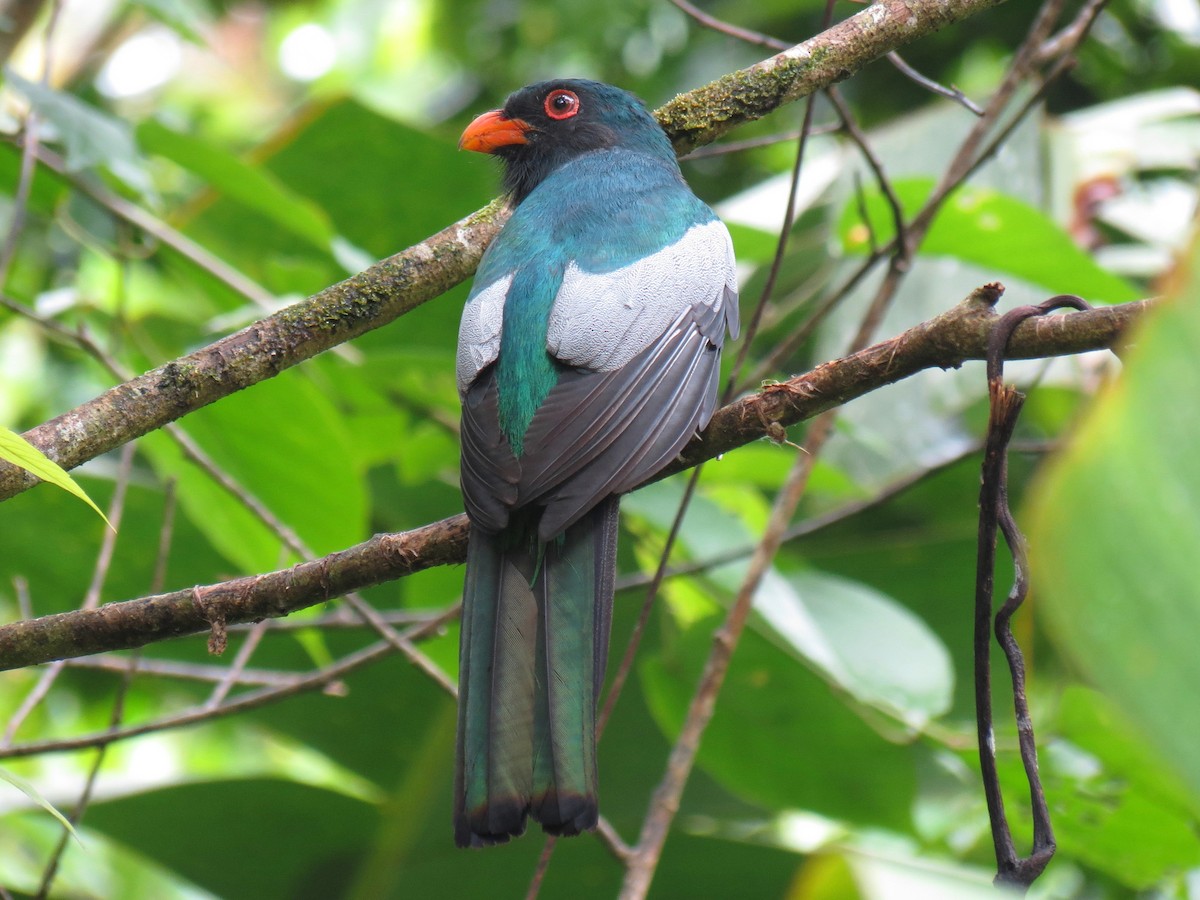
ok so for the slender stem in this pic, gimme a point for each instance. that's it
(319, 679)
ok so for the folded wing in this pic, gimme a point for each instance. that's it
(639, 349)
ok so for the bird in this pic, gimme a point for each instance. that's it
(588, 356)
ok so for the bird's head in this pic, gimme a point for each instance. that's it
(547, 124)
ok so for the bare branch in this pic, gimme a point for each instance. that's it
(319, 679)
(950, 93)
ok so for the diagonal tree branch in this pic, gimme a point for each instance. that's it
(391, 288)
(946, 341)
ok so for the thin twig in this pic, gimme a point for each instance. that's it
(203, 672)
(665, 801)
(89, 785)
(233, 674)
(652, 587)
(734, 31)
(781, 244)
(346, 620)
(542, 867)
(951, 93)
(108, 545)
(374, 620)
(165, 534)
(767, 140)
(875, 164)
(243, 702)
(1073, 34)
(100, 571)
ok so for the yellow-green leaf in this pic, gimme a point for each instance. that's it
(18, 451)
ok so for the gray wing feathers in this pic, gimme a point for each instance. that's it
(601, 434)
(479, 331)
(600, 321)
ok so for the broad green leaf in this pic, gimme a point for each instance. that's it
(853, 636)
(287, 445)
(993, 231)
(225, 817)
(250, 185)
(1115, 527)
(780, 738)
(91, 137)
(18, 451)
(864, 642)
(1117, 806)
(101, 868)
(33, 794)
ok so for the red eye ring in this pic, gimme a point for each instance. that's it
(561, 104)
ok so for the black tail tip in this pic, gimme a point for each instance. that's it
(496, 823)
(565, 814)
(560, 814)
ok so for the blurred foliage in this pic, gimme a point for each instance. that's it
(299, 141)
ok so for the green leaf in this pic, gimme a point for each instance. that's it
(106, 868)
(864, 642)
(90, 137)
(780, 738)
(1115, 527)
(33, 794)
(858, 639)
(993, 231)
(1117, 807)
(250, 185)
(286, 444)
(18, 451)
(224, 816)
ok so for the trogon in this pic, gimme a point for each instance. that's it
(588, 356)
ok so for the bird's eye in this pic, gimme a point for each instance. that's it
(561, 104)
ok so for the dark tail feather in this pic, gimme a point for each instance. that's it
(531, 668)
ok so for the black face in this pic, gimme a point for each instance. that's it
(563, 119)
(545, 125)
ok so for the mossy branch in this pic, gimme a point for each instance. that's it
(943, 342)
(393, 287)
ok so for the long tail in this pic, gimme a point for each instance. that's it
(531, 667)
